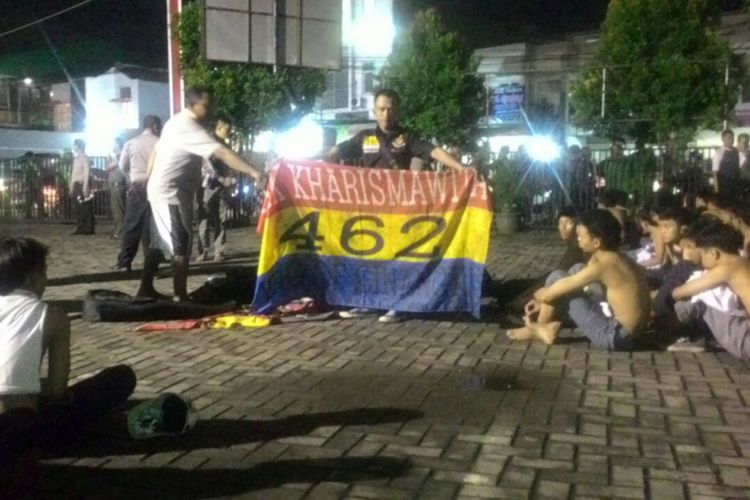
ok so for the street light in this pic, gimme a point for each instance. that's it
(28, 81)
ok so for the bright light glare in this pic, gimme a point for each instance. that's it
(263, 142)
(372, 31)
(302, 141)
(2, 185)
(28, 81)
(542, 149)
(101, 131)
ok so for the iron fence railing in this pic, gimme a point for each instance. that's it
(545, 187)
(36, 189)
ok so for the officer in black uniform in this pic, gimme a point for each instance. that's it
(388, 145)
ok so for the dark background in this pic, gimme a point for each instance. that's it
(96, 35)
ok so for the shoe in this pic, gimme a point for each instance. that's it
(219, 257)
(357, 312)
(120, 267)
(684, 344)
(393, 317)
(202, 257)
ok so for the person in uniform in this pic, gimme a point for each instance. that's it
(134, 162)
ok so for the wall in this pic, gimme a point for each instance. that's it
(107, 115)
(152, 98)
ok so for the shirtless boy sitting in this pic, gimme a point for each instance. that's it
(720, 256)
(626, 292)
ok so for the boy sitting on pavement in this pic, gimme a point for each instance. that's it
(566, 227)
(690, 262)
(672, 225)
(718, 294)
(36, 412)
(626, 293)
(651, 253)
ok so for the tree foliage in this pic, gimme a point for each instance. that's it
(665, 63)
(434, 71)
(252, 95)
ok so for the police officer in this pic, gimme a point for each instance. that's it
(388, 146)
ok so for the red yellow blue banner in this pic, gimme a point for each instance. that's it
(373, 238)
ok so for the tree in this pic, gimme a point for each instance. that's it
(434, 71)
(665, 66)
(254, 96)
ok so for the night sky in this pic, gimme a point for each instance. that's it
(133, 31)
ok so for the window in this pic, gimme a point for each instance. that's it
(125, 93)
(745, 96)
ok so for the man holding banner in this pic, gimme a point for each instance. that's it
(380, 238)
(388, 146)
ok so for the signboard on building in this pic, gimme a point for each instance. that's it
(507, 102)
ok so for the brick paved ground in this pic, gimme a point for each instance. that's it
(426, 409)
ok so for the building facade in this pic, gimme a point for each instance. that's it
(527, 80)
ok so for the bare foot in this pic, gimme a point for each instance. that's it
(519, 334)
(546, 332)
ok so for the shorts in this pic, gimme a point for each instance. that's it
(172, 228)
(586, 311)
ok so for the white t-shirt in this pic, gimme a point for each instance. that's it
(721, 298)
(180, 153)
(22, 316)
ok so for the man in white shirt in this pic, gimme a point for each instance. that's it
(726, 167)
(134, 162)
(51, 413)
(80, 190)
(174, 178)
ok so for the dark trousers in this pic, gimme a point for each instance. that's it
(83, 211)
(117, 195)
(676, 276)
(213, 218)
(137, 224)
(35, 196)
(56, 425)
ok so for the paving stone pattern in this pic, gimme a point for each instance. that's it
(431, 408)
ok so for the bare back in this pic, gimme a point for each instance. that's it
(739, 280)
(626, 288)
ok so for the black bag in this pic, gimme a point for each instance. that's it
(113, 306)
(237, 285)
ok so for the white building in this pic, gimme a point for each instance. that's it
(118, 100)
(47, 117)
(535, 77)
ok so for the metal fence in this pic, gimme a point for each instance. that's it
(544, 186)
(36, 188)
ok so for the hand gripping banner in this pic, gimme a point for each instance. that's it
(381, 239)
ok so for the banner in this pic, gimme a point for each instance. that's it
(381, 239)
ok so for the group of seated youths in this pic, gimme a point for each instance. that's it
(667, 276)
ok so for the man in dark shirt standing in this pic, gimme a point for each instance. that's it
(726, 168)
(213, 205)
(387, 146)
